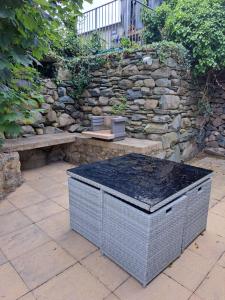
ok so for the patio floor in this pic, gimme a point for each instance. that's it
(41, 258)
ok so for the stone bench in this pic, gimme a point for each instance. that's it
(36, 151)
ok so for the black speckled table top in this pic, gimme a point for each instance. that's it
(143, 178)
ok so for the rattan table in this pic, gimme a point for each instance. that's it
(141, 211)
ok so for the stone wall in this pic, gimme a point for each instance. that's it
(161, 102)
(10, 174)
(215, 123)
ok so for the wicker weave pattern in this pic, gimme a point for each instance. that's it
(197, 212)
(143, 244)
(85, 210)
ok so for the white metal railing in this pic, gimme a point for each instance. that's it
(114, 20)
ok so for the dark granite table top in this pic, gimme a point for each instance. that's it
(144, 178)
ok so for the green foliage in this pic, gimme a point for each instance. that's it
(120, 108)
(81, 68)
(27, 30)
(74, 45)
(18, 99)
(197, 24)
(167, 49)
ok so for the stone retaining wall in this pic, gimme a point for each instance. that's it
(10, 174)
(215, 123)
(161, 102)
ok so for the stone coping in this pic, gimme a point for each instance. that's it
(34, 142)
(38, 141)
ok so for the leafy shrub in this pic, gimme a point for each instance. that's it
(197, 24)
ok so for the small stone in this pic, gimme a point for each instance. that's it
(107, 109)
(39, 131)
(139, 101)
(151, 104)
(95, 92)
(217, 121)
(136, 117)
(134, 107)
(161, 73)
(169, 102)
(65, 120)
(161, 119)
(50, 84)
(176, 124)
(145, 90)
(171, 62)
(58, 106)
(73, 128)
(185, 123)
(139, 83)
(130, 70)
(37, 118)
(45, 107)
(92, 101)
(70, 108)
(27, 129)
(55, 95)
(149, 83)
(169, 139)
(164, 82)
(61, 91)
(103, 100)
(51, 116)
(147, 60)
(125, 84)
(51, 130)
(49, 99)
(96, 111)
(107, 92)
(162, 91)
(156, 128)
(66, 100)
(134, 94)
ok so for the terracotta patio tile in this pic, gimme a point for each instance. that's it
(3, 259)
(42, 210)
(20, 241)
(27, 199)
(62, 200)
(208, 245)
(111, 297)
(42, 263)
(33, 174)
(218, 186)
(219, 209)
(221, 262)
(189, 270)
(76, 245)
(11, 285)
(216, 224)
(108, 272)
(195, 297)
(213, 287)
(13, 221)
(76, 283)
(6, 207)
(22, 190)
(161, 288)
(28, 296)
(57, 225)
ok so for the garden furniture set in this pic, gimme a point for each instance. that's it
(142, 212)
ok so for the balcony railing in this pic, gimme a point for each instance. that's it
(113, 21)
